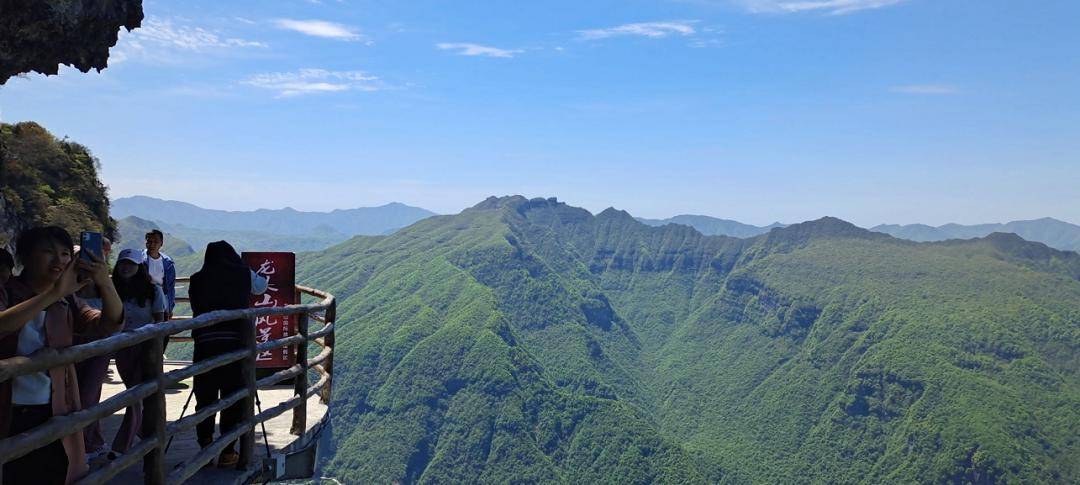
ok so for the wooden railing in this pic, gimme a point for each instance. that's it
(156, 430)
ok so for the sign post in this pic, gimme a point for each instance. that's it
(280, 271)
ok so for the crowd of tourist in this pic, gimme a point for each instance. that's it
(60, 298)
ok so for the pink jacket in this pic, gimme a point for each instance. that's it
(63, 319)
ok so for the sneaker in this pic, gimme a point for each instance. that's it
(228, 458)
(98, 453)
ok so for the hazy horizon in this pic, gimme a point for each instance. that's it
(594, 211)
(897, 112)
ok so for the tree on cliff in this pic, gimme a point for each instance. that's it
(46, 180)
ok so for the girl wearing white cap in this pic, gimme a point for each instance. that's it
(144, 303)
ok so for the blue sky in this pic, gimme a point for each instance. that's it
(874, 111)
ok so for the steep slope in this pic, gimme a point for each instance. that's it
(439, 383)
(527, 338)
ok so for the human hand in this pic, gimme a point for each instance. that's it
(68, 282)
(95, 268)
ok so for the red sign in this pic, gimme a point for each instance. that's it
(280, 271)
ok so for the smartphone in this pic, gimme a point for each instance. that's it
(90, 242)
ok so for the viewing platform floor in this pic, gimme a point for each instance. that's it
(184, 445)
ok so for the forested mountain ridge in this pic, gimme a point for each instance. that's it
(531, 340)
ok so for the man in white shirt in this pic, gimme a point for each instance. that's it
(162, 269)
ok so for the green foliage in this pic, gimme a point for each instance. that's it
(45, 180)
(528, 341)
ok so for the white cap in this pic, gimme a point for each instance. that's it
(131, 255)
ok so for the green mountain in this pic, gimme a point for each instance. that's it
(131, 233)
(1052, 232)
(529, 341)
(712, 226)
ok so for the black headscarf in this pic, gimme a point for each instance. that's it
(223, 283)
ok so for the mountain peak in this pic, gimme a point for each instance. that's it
(494, 202)
(827, 226)
(824, 228)
(613, 213)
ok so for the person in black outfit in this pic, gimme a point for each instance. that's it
(223, 283)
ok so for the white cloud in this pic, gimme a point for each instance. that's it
(704, 43)
(320, 28)
(308, 81)
(466, 49)
(162, 40)
(185, 37)
(642, 29)
(833, 7)
(925, 89)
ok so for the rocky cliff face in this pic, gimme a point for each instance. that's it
(39, 35)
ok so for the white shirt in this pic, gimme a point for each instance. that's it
(157, 269)
(36, 388)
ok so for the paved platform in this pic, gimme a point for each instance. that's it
(184, 445)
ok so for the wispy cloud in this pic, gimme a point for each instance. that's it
(161, 39)
(320, 28)
(925, 89)
(833, 7)
(467, 49)
(642, 29)
(309, 81)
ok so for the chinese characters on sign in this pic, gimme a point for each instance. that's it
(280, 271)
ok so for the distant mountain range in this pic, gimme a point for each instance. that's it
(1051, 232)
(261, 230)
(367, 221)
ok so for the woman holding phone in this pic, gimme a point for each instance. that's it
(37, 310)
(144, 303)
(93, 371)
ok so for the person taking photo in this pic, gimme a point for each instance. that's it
(38, 309)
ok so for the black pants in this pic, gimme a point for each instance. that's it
(211, 386)
(45, 465)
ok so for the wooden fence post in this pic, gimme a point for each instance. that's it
(328, 364)
(247, 440)
(153, 421)
(299, 420)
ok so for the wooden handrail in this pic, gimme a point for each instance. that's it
(155, 429)
(48, 357)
